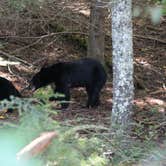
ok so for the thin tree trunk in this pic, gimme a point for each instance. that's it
(96, 31)
(122, 63)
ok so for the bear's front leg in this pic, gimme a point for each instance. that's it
(64, 90)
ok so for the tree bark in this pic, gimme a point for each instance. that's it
(96, 31)
(122, 63)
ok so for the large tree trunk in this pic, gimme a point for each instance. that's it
(122, 63)
(96, 31)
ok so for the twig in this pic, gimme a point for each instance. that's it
(30, 45)
(11, 72)
(14, 57)
(43, 36)
(155, 29)
(40, 38)
(150, 38)
(158, 91)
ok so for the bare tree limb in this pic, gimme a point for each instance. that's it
(150, 38)
(43, 36)
(14, 57)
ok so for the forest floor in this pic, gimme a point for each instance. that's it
(149, 63)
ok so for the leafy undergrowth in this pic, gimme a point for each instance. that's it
(78, 143)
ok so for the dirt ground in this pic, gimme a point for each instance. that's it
(149, 63)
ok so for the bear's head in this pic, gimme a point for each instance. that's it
(40, 79)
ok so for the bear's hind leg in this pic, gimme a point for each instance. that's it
(93, 96)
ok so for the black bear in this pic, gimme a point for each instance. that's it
(7, 89)
(86, 72)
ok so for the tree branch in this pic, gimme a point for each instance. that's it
(14, 57)
(43, 36)
(150, 38)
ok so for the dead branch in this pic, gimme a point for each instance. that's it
(14, 57)
(154, 28)
(43, 36)
(150, 38)
(39, 38)
(158, 91)
(28, 46)
(36, 146)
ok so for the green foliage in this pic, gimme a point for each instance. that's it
(81, 145)
(78, 151)
(44, 93)
(131, 153)
(160, 1)
(155, 12)
(155, 158)
(164, 7)
(78, 40)
(69, 149)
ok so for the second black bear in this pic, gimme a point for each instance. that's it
(7, 89)
(86, 72)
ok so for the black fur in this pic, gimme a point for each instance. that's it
(87, 72)
(7, 89)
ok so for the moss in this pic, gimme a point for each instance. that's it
(79, 40)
